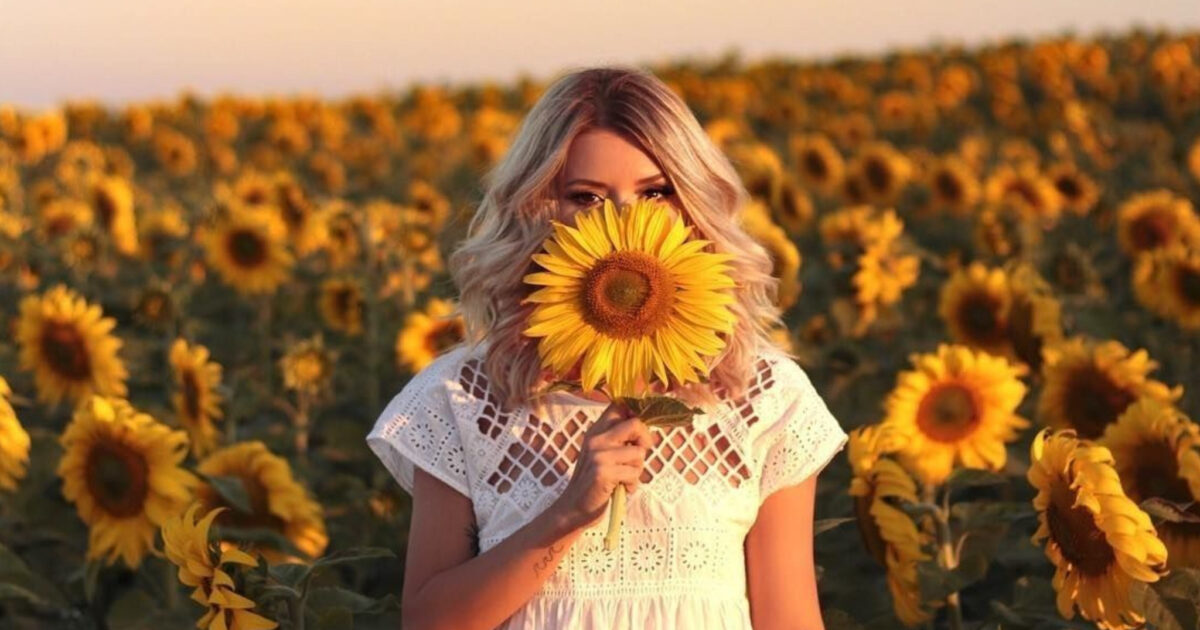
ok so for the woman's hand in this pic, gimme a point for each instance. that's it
(613, 452)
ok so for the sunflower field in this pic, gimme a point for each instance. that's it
(989, 263)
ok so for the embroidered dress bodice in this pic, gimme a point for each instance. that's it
(680, 558)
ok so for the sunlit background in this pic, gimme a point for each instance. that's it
(144, 49)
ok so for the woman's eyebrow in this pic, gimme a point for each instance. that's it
(644, 180)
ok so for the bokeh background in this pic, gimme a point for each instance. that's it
(223, 230)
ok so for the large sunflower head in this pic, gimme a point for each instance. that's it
(1156, 450)
(249, 250)
(958, 406)
(277, 501)
(1088, 385)
(1098, 539)
(428, 333)
(121, 469)
(14, 442)
(197, 401)
(630, 294)
(69, 346)
(888, 533)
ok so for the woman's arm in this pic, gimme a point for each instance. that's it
(780, 575)
(447, 586)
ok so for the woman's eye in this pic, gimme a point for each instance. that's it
(582, 198)
(663, 191)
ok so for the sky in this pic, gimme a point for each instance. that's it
(131, 50)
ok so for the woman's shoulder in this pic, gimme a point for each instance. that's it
(442, 371)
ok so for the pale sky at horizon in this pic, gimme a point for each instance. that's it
(131, 50)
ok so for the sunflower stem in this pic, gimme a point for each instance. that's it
(301, 420)
(171, 584)
(371, 290)
(616, 514)
(264, 331)
(948, 555)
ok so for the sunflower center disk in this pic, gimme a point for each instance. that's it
(1157, 473)
(981, 317)
(1074, 529)
(247, 248)
(446, 335)
(191, 395)
(627, 294)
(65, 350)
(1189, 285)
(117, 478)
(1152, 230)
(948, 414)
(1094, 401)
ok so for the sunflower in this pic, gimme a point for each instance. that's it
(1167, 281)
(850, 231)
(974, 305)
(792, 207)
(882, 275)
(14, 442)
(186, 545)
(61, 216)
(112, 205)
(175, 151)
(885, 172)
(1154, 446)
(427, 201)
(785, 257)
(957, 407)
(1155, 219)
(1035, 317)
(760, 167)
(427, 334)
(249, 250)
(1098, 539)
(68, 344)
(306, 225)
(631, 295)
(818, 163)
(161, 230)
(953, 184)
(1079, 192)
(1193, 159)
(156, 305)
(341, 305)
(197, 402)
(307, 366)
(888, 533)
(277, 501)
(345, 244)
(1088, 384)
(1027, 190)
(121, 469)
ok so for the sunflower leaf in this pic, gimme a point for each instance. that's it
(1170, 511)
(661, 411)
(232, 489)
(1161, 612)
(354, 554)
(966, 477)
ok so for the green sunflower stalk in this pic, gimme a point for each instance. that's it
(630, 294)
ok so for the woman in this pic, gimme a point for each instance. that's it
(718, 526)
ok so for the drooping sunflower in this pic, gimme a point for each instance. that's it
(121, 469)
(14, 442)
(1088, 384)
(1154, 447)
(186, 545)
(197, 401)
(1035, 316)
(632, 295)
(1156, 218)
(69, 346)
(277, 501)
(427, 333)
(957, 407)
(112, 205)
(306, 224)
(249, 250)
(1166, 281)
(1027, 189)
(341, 305)
(888, 533)
(1098, 539)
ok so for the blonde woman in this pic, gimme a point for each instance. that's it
(510, 496)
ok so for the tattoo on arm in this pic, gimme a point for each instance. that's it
(540, 565)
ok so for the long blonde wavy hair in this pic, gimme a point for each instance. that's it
(520, 198)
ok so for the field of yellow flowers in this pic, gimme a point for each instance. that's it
(989, 261)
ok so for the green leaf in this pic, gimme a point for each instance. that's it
(326, 597)
(972, 514)
(1159, 614)
(258, 536)
(1180, 593)
(1170, 511)
(332, 619)
(826, 524)
(289, 573)
(965, 477)
(661, 411)
(354, 554)
(18, 581)
(232, 489)
(133, 609)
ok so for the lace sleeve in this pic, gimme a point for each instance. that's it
(418, 428)
(802, 438)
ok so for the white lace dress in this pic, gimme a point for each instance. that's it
(680, 562)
